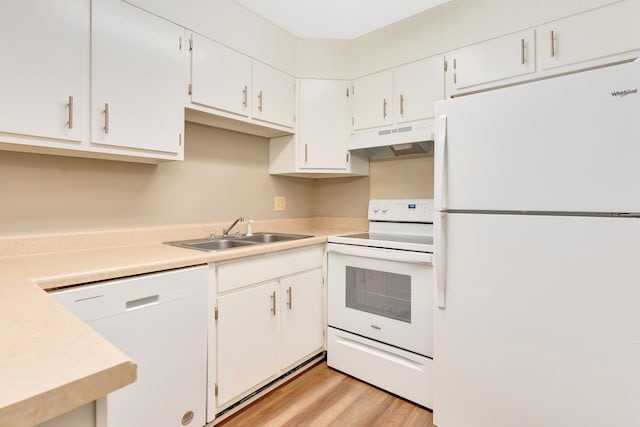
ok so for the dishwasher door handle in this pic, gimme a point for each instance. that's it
(142, 302)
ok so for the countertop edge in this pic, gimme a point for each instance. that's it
(51, 403)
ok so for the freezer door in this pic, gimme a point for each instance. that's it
(542, 322)
(567, 144)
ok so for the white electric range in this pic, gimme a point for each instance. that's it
(381, 297)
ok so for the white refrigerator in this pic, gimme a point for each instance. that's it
(537, 254)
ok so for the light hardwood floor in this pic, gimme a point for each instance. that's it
(324, 397)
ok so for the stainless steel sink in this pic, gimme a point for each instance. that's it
(272, 237)
(225, 243)
(215, 245)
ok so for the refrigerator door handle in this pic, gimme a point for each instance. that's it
(440, 258)
(440, 164)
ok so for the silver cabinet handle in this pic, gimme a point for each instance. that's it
(306, 152)
(401, 104)
(106, 118)
(70, 106)
(273, 303)
(455, 67)
(244, 96)
(289, 298)
(384, 108)
(522, 51)
(553, 43)
(260, 101)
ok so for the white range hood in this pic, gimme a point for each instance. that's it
(407, 139)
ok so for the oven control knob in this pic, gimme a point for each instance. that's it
(376, 209)
(385, 209)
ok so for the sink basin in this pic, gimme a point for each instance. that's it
(214, 245)
(272, 237)
(235, 242)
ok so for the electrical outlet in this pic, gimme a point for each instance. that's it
(280, 203)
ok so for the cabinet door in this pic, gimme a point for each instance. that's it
(416, 87)
(138, 72)
(592, 35)
(220, 77)
(273, 95)
(322, 123)
(372, 100)
(487, 63)
(301, 308)
(247, 339)
(45, 63)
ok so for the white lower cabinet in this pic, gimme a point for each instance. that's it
(247, 339)
(301, 316)
(268, 318)
(84, 416)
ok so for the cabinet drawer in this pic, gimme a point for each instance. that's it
(237, 274)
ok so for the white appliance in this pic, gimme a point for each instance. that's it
(381, 297)
(160, 321)
(407, 139)
(537, 244)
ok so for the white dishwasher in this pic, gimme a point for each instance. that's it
(160, 321)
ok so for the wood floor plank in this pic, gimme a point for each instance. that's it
(323, 397)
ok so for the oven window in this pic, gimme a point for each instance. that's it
(379, 292)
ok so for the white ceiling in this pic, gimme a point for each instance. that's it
(336, 19)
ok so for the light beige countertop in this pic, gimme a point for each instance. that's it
(50, 361)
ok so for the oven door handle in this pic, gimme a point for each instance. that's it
(379, 253)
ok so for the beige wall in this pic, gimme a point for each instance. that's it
(392, 178)
(224, 175)
(402, 178)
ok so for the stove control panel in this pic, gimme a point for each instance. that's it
(401, 210)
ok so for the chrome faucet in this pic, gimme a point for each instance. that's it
(225, 231)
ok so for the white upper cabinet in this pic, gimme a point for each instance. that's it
(273, 95)
(594, 35)
(45, 68)
(372, 100)
(220, 77)
(138, 79)
(319, 147)
(322, 123)
(404, 94)
(232, 91)
(487, 63)
(416, 86)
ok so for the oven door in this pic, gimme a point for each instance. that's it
(382, 294)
